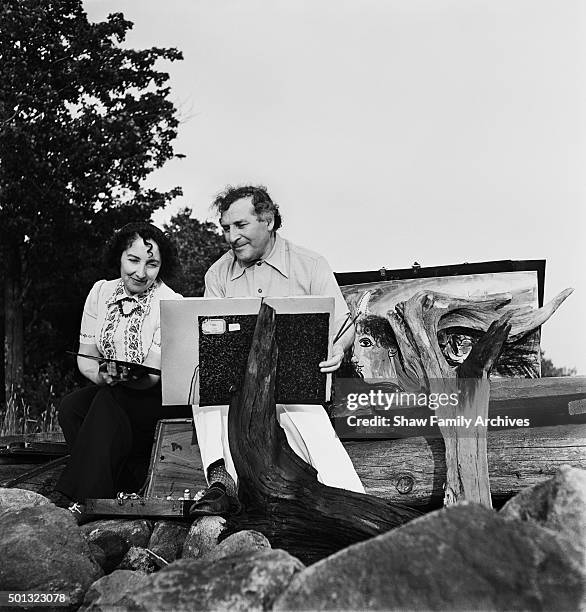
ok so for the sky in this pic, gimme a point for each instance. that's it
(389, 131)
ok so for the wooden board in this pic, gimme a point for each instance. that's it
(412, 471)
(33, 448)
(138, 507)
(544, 401)
(43, 483)
(175, 461)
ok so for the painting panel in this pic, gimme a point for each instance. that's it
(375, 352)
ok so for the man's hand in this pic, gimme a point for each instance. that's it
(332, 363)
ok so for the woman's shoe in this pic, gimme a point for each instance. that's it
(79, 514)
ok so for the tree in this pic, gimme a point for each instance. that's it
(199, 245)
(82, 123)
(548, 369)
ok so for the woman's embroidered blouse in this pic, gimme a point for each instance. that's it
(122, 326)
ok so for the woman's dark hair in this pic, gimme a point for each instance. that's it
(379, 328)
(260, 198)
(126, 235)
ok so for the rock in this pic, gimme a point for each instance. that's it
(109, 592)
(43, 550)
(138, 559)
(203, 536)
(236, 544)
(248, 582)
(168, 538)
(465, 557)
(15, 499)
(115, 537)
(98, 554)
(558, 503)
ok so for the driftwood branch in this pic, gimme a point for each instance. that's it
(466, 442)
(416, 324)
(280, 493)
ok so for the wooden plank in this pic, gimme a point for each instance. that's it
(48, 436)
(43, 445)
(412, 471)
(43, 483)
(35, 471)
(545, 401)
(138, 507)
(175, 460)
(34, 448)
(531, 388)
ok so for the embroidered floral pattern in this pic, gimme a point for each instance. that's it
(132, 332)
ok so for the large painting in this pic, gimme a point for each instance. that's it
(376, 354)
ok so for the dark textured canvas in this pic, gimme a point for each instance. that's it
(302, 341)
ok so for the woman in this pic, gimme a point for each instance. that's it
(109, 425)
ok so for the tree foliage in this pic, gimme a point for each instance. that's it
(83, 121)
(548, 369)
(199, 246)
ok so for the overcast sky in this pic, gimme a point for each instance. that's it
(390, 131)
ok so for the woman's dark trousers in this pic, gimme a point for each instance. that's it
(109, 432)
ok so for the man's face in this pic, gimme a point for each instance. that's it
(248, 237)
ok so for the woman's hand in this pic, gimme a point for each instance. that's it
(107, 374)
(110, 373)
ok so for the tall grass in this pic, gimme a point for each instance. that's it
(16, 419)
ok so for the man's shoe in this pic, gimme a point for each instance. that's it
(214, 502)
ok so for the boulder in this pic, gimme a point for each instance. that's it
(115, 537)
(138, 559)
(558, 504)
(98, 554)
(168, 538)
(247, 582)
(43, 550)
(15, 499)
(236, 544)
(465, 557)
(109, 592)
(203, 536)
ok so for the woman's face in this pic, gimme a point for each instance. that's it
(139, 265)
(372, 359)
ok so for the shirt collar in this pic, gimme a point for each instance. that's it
(276, 259)
(120, 294)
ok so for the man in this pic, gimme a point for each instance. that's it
(261, 263)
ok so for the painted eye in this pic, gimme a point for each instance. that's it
(365, 342)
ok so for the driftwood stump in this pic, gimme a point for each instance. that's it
(416, 324)
(279, 492)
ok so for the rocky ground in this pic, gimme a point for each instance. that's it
(529, 556)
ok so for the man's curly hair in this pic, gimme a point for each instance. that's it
(260, 199)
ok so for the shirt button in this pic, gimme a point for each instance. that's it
(260, 290)
(259, 263)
